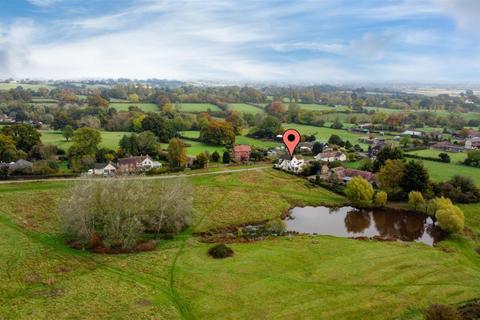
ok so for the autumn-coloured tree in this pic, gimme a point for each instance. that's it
(218, 133)
(177, 155)
(276, 108)
(236, 120)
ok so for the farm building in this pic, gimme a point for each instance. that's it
(241, 152)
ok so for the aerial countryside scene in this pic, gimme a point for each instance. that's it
(223, 159)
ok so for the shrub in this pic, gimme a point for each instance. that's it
(360, 192)
(215, 156)
(220, 251)
(470, 310)
(450, 218)
(275, 226)
(226, 157)
(115, 213)
(380, 199)
(415, 200)
(441, 312)
(45, 167)
(459, 189)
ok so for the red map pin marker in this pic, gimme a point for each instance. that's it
(291, 138)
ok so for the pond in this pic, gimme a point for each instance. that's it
(349, 222)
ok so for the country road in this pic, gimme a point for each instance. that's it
(159, 177)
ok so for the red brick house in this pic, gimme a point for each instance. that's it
(241, 152)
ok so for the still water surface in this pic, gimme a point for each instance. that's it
(349, 222)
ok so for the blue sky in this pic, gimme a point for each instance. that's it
(318, 41)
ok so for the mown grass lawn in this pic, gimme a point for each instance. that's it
(110, 139)
(245, 108)
(308, 277)
(145, 107)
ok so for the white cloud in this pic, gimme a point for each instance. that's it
(44, 3)
(464, 12)
(228, 40)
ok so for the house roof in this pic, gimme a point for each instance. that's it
(132, 160)
(329, 154)
(242, 148)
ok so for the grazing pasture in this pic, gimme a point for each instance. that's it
(444, 171)
(324, 133)
(454, 156)
(34, 87)
(245, 108)
(196, 107)
(322, 107)
(110, 139)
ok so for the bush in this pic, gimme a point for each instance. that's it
(459, 189)
(44, 167)
(450, 218)
(215, 156)
(441, 312)
(380, 199)
(115, 213)
(470, 310)
(360, 192)
(220, 251)
(226, 157)
(276, 226)
(415, 200)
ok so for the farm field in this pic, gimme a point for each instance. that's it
(238, 139)
(196, 107)
(146, 107)
(454, 156)
(110, 139)
(444, 171)
(323, 133)
(466, 115)
(321, 107)
(333, 278)
(197, 147)
(7, 86)
(245, 108)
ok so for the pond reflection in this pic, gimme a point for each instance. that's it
(350, 222)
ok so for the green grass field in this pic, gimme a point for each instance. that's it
(454, 156)
(321, 107)
(308, 277)
(245, 108)
(8, 86)
(444, 171)
(146, 107)
(323, 133)
(109, 139)
(238, 140)
(196, 107)
(197, 147)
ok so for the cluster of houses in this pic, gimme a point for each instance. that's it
(128, 165)
(139, 164)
